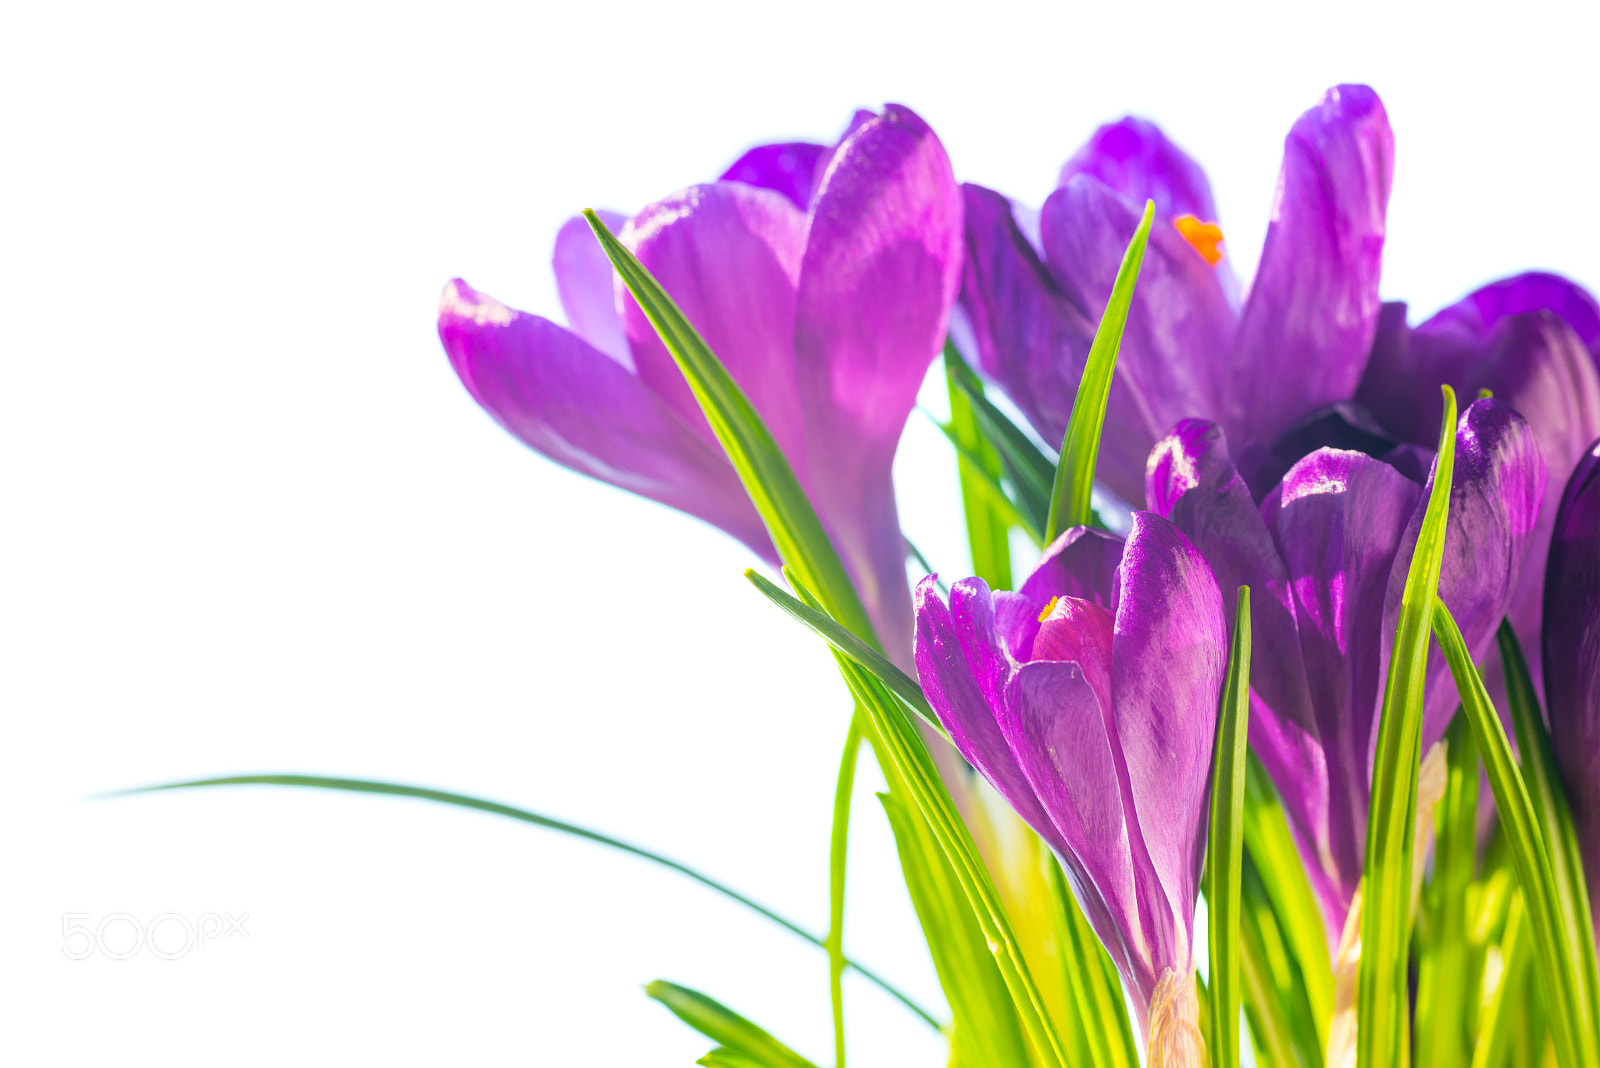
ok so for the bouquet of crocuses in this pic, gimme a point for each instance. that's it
(1364, 583)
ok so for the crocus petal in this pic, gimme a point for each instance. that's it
(1134, 158)
(1083, 563)
(1029, 335)
(882, 264)
(1309, 321)
(1337, 520)
(579, 407)
(1572, 653)
(789, 168)
(1178, 331)
(1525, 293)
(586, 284)
(1169, 655)
(729, 255)
(1192, 482)
(963, 674)
(1495, 498)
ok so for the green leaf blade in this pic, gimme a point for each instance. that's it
(1225, 842)
(978, 463)
(724, 1026)
(1080, 448)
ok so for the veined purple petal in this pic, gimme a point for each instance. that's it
(789, 168)
(1169, 655)
(1309, 321)
(586, 284)
(1572, 653)
(1030, 336)
(729, 255)
(1495, 498)
(1522, 294)
(1175, 346)
(563, 397)
(1134, 158)
(881, 266)
(1337, 520)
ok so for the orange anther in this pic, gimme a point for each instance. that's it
(1204, 236)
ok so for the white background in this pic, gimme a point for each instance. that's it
(252, 522)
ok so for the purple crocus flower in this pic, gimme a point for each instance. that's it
(1572, 654)
(1534, 341)
(1035, 287)
(1088, 698)
(1325, 554)
(822, 278)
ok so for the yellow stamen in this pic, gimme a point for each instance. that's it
(1051, 607)
(1204, 236)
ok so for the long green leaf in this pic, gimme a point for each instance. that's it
(1444, 967)
(1282, 1030)
(904, 751)
(1080, 449)
(987, 489)
(721, 1024)
(1539, 771)
(1270, 851)
(842, 641)
(1095, 987)
(838, 849)
(1560, 963)
(1382, 1002)
(1029, 470)
(1497, 1023)
(790, 520)
(978, 466)
(1225, 843)
(368, 786)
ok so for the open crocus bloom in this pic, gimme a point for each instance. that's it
(1034, 290)
(1088, 698)
(1532, 340)
(1572, 654)
(1325, 554)
(823, 279)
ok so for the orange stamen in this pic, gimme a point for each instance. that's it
(1051, 607)
(1204, 236)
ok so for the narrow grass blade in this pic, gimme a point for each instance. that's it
(979, 468)
(838, 849)
(1560, 962)
(368, 786)
(1269, 851)
(1498, 1019)
(1382, 1001)
(724, 1026)
(1549, 798)
(1029, 470)
(1225, 842)
(1093, 980)
(988, 488)
(922, 561)
(793, 524)
(1080, 449)
(1282, 1030)
(984, 1028)
(1444, 967)
(875, 663)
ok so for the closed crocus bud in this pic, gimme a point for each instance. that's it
(1088, 698)
(1572, 653)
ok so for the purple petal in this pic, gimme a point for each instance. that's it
(729, 255)
(579, 407)
(1572, 652)
(1030, 336)
(1083, 563)
(1522, 294)
(1134, 158)
(882, 263)
(586, 284)
(1192, 482)
(1496, 494)
(1168, 659)
(963, 673)
(1337, 520)
(1174, 349)
(1313, 308)
(789, 168)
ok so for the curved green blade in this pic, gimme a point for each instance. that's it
(721, 1024)
(1225, 843)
